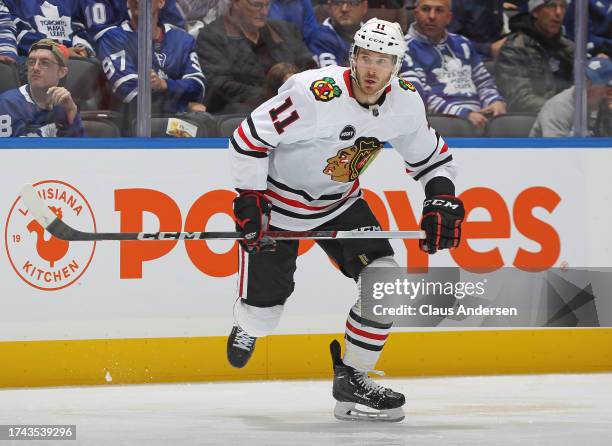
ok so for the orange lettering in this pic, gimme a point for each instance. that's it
(536, 230)
(404, 218)
(131, 204)
(204, 259)
(497, 227)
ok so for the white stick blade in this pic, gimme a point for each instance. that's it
(36, 205)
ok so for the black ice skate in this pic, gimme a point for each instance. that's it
(352, 387)
(240, 347)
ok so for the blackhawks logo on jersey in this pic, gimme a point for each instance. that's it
(325, 89)
(405, 85)
(352, 161)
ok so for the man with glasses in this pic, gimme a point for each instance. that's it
(238, 49)
(332, 42)
(41, 107)
(536, 62)
(296, 162)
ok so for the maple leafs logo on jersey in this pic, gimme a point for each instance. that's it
(325, 89)
(352, 161)
(405, 85)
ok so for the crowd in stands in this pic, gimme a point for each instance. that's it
(66, 62)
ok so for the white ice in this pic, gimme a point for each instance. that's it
(502, 410)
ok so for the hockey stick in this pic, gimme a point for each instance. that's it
(56, 227)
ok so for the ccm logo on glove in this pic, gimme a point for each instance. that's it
(442, 218)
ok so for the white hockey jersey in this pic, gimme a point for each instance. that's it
(307, 146)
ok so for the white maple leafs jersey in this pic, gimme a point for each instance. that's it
(307, 146)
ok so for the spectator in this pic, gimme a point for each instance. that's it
(238, 49)
(333, 40)
(536, 62)
(599, 38)
(199, 13)
(100, 14)
(41, 107)
(446, 69)
(482, 22)
(276, 77)
(8, 42)
(298, 12)
(60, 20)
(557, 116)
(176, 78)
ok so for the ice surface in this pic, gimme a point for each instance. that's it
(505, 410)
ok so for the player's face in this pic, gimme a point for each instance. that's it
(549, 17)
(432, 17)
(252, 14)
(43, 70)
(347, 13)
(373, 70)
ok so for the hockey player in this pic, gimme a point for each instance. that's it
(296, 162)
(41, 107)
(176, 78)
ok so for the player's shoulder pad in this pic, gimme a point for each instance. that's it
(322, 85)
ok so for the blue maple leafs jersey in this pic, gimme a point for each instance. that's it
(8, 42)
(328, 47)
(174, 60)
(100, 14)
(60, 20)
(449, 75)
(20, 116)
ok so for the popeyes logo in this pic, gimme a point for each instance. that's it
(505, 217)
(39, 259)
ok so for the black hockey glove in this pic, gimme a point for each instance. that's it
(442, 218)
(252, 212)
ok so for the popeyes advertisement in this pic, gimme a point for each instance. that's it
(524, 210)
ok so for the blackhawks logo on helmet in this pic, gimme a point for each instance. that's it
(325, 89)
(405, 85)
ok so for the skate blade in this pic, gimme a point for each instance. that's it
(350, 412)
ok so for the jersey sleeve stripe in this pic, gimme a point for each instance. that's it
(249, 143)
(246, 152)
(422, 162)
(254, 133)
(432, 167)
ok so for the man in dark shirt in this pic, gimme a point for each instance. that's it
(238, 49)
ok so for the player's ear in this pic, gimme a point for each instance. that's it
(63, 72)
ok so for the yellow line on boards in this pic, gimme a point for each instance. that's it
(428, 353)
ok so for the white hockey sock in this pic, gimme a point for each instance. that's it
(366, 338)
(256, 321)
(364, 341)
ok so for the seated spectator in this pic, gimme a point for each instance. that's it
(446, 69)
(536, 62)
(8, 42)
(176, 77)
(238, 49)
(557, 116)
(298, 12)
(276, 77)
(60, 20)
(41, 107)
(482, 23)
(100, 14)
(599, 38)
(199, 13)
(332, 42)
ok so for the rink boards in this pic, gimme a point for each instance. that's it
(84, 313)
